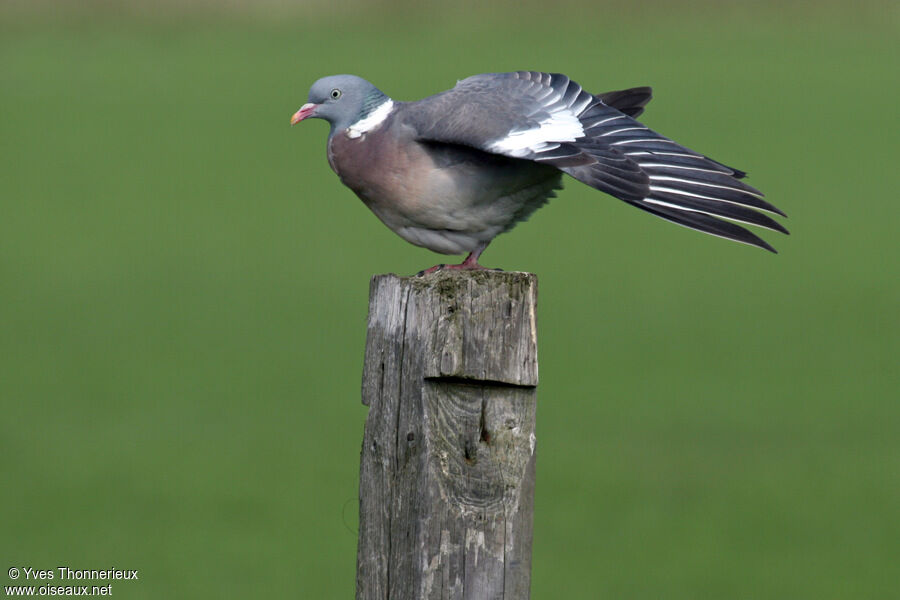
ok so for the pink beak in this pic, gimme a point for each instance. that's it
(305, 111)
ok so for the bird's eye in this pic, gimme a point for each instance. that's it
(335, 93)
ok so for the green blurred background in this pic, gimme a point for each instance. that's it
(183, 294)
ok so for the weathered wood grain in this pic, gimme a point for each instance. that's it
(447, 463)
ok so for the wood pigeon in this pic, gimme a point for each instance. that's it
(454, 170)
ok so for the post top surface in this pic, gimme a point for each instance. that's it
(489, 277)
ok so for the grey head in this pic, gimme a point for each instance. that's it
(342, 100)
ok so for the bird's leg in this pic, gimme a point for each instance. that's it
(470, 263)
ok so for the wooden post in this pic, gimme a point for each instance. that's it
(446, 488)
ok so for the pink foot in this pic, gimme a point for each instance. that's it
(470, 264)
(460, 267)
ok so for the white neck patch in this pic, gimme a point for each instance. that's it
(375, 118)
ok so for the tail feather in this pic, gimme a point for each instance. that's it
(734, 212)
(706, 224)
(631, 101)
(701, 189)
(703, 173)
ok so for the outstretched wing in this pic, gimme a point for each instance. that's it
(550, 119)
(521, 115)
(682, 186)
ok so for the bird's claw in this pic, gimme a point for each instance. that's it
(465, 266)
(433, 269)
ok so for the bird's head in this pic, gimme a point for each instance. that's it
(341, 100)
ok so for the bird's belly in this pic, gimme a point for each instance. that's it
(449, 204)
